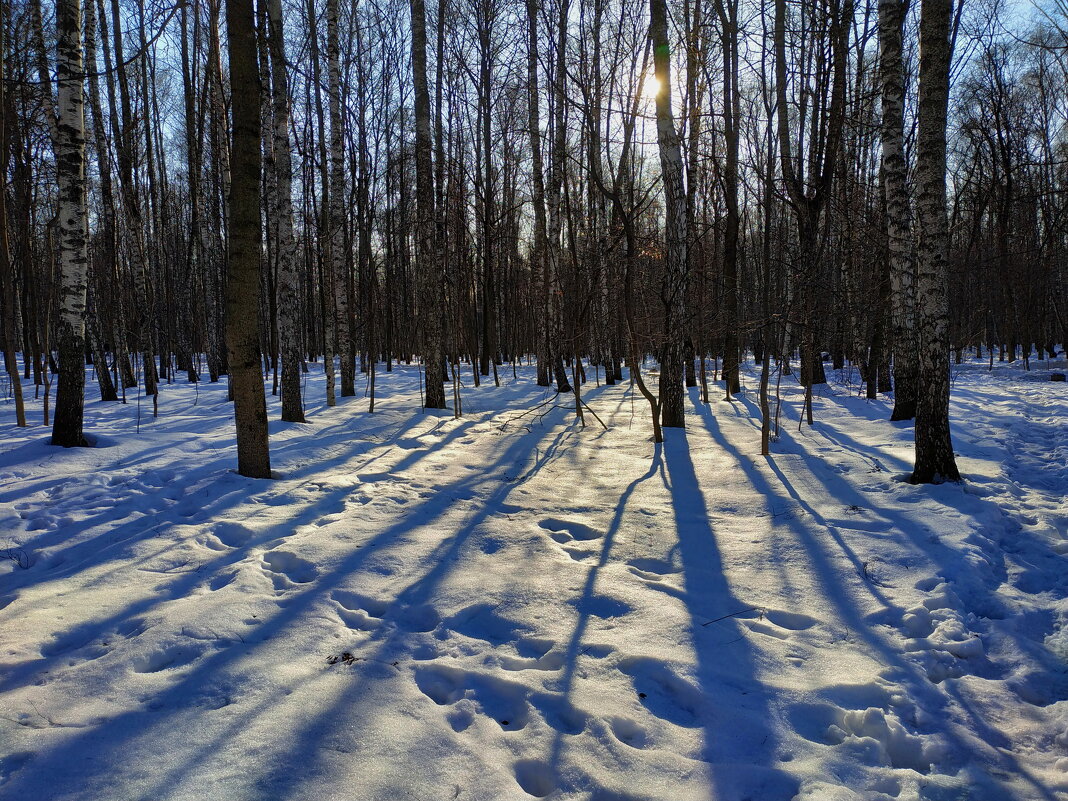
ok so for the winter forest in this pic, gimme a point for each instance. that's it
(601, 400)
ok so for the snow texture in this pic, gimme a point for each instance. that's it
(509, 605)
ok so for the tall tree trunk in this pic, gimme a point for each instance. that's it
(286, 247)
(427, 254)
(92, 326)
(728, 15)
(69, 147)
(124, 138)
(676, 266)
(217, 221)
(539, 245)
(7, 273)
(339, 254)
(934, 447)
(488, 350)
(244, 246)
(558, 157)
(891, 74)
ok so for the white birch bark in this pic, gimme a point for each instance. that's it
(338, 253)
(934, 446)
(69, 148)
(288, 277)
(898, 214)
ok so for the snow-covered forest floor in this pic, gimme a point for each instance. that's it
(508, 606)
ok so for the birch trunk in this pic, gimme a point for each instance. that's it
(286, 247)
(898, 222)
(336, 212)
(69, 147)
(325, 262)
(934, 446)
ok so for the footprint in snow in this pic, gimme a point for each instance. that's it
(504, 701)
(794, 621)
(491, 545)
(222, 580)
(482, 622)
(601, 606)
(652, 569)
(567, 530)
(580, 554)
(665, 694)
(288, 569)
(365, 613)
(629, 732)
(233, 535)
(535, 777)
(534, 654)
(168, 658)
(359, 612)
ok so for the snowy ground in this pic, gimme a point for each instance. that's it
(508, 606)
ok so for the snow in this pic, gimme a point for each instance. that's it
(509, 606)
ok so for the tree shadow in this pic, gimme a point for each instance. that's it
(848, 597)
(740, 740)
(132, 729)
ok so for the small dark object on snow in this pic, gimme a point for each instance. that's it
(1057, 377)
(346, 658)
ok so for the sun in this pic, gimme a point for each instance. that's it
(651, 87)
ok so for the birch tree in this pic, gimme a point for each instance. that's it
(898, 213)
(286, 248)
(69, 147)
(934, 446)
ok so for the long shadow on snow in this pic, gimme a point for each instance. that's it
(89, 552)
(911, 675)
(737, 735)
(584, 605)
(126, 729)
(305, 756)
(232, 490)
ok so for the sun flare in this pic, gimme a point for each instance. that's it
(651, 87)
